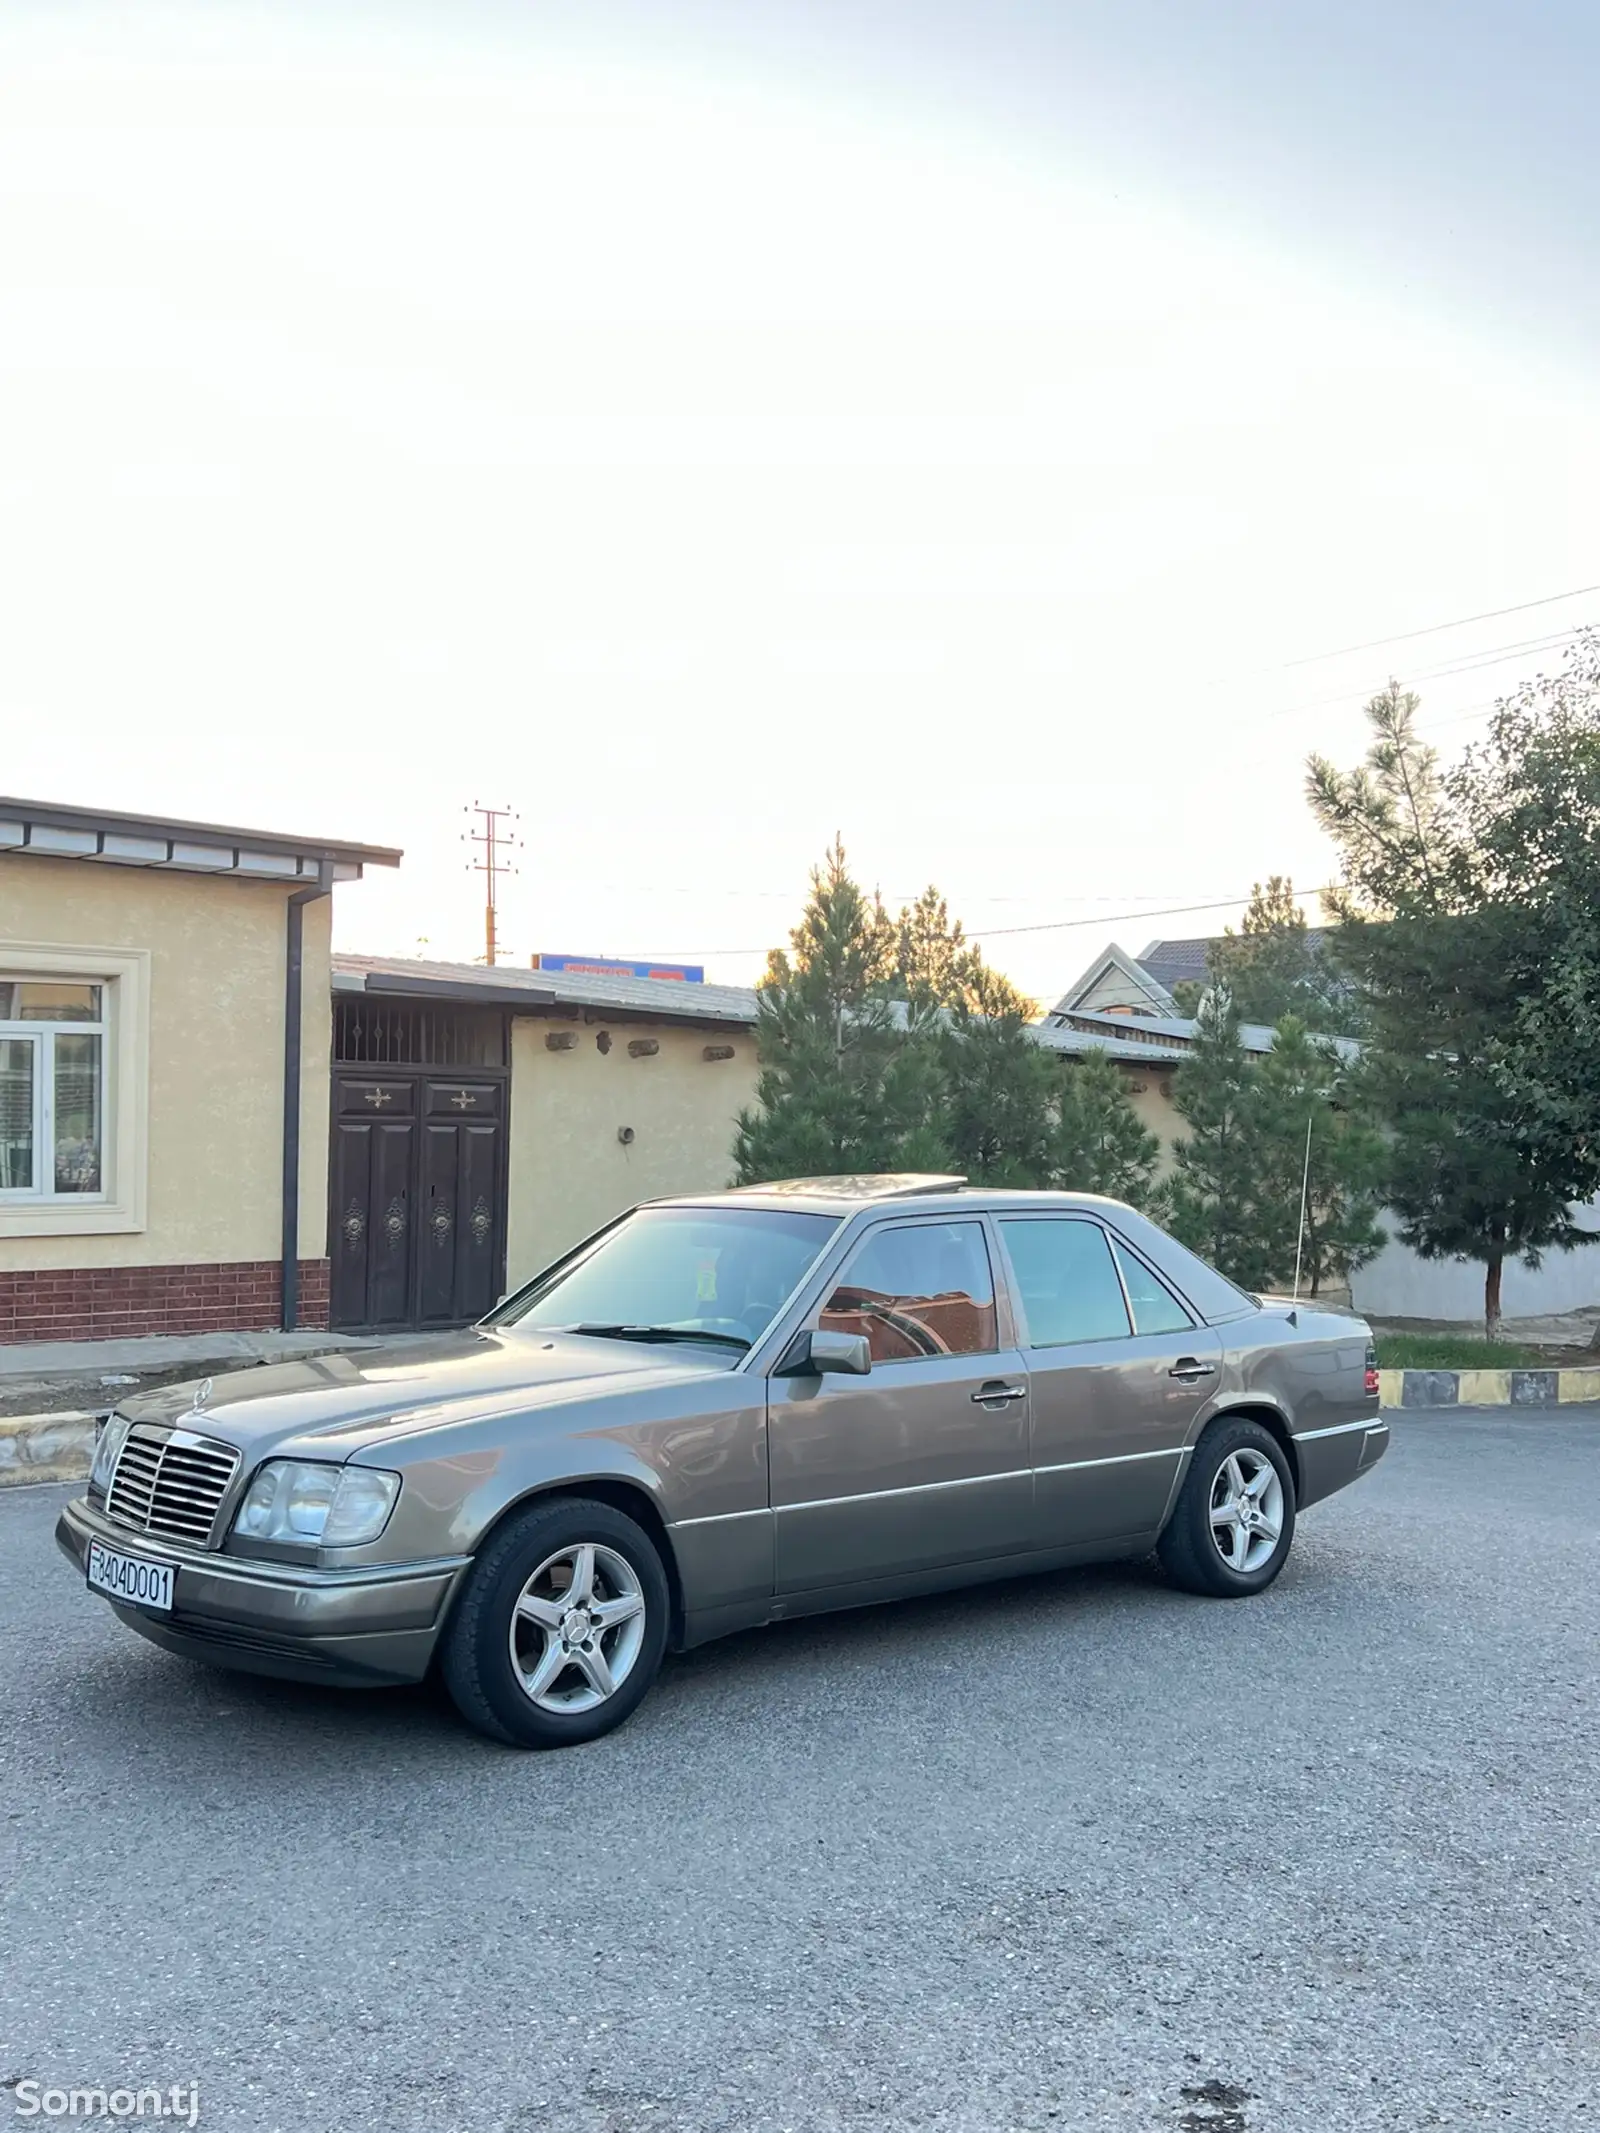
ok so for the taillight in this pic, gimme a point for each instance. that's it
(1372, 1374)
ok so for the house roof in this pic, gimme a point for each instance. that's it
(1188, 962)
(1131, 1040)
(1115, 962)
(544, 991)
(56, 831)
(1177, 962)
(1174, 1035)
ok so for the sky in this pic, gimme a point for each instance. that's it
(966, 427)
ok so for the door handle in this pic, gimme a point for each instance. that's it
(995, 1394)
(1186, 1369)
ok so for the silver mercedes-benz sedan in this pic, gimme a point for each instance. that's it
(718, 1412)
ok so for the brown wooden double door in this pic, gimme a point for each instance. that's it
(417, 1217)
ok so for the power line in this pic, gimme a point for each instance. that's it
(1117, 918)
(1053, 925)
(1434, 629)
(1493, 655)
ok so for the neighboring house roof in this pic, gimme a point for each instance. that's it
(1172, 963)
(1116, 979)
(1174, 1035)
(1133, 1040)
(533, 991)
(54, 831)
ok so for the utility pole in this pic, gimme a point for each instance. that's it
(493, 839)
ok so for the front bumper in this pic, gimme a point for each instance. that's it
(358, 1628)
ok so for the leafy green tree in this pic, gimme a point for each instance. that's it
(1273, 971)
(850, 1077)
(1099, 1143)
(1314, 1138)
(1214, 1195)
(1462, 921)
(1530, 798)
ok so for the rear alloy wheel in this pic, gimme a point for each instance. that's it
(560, 1627)
(1230, 1531)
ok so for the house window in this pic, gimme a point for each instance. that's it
(52, 1089)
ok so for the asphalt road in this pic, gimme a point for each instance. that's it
(1074, 1853)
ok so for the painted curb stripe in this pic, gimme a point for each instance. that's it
(1483, 1388)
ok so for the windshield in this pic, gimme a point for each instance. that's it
(721, 1272)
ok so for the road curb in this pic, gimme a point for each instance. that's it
(45, 1448)
(1433, 1389)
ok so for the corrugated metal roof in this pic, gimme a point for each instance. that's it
(1142, 1040)
(723, 1004)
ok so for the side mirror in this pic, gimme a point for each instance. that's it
(812, 1355)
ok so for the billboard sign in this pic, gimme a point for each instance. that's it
(605, 966)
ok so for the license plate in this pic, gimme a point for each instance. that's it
(129, 1579)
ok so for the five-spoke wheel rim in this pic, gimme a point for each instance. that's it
(577, 1628)
(1246, 1510)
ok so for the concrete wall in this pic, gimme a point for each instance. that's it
(215, 1097)
(569, 1172)
(1151, 1097)
(1397, 1284)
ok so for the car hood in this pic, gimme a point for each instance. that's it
(358, 1397)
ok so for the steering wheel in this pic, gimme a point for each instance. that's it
(720, 1325)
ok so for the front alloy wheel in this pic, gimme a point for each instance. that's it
(559, 1627)
(578, 1628)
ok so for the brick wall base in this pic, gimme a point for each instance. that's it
(120, 1302)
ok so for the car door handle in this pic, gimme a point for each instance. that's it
(1187, 1369)
(996, 1394)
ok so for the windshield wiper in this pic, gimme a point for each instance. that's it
(658, 1333)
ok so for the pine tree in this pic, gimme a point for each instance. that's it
(935, 965)
(850, 1077)
(1312, 1135)
(1099, 1144)
(1001, 1089)
(1213, 1191)
(1272, 970)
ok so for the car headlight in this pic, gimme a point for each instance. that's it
(312, 1505)
(113, 1434)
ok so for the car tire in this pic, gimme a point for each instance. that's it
(1212, 1544)
(566, 1596)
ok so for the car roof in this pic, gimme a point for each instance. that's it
(929, 1193)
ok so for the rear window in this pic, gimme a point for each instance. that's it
(1211, 1294)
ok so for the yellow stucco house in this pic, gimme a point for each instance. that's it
(165, 1009)
(210, 1122)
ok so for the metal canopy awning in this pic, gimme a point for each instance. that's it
(95, 834)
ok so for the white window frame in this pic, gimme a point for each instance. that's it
(42, 1035)
(120, 1205)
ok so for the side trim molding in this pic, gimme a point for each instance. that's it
(1334, 1429)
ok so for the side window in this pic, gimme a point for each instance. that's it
(1068, 1284)
(921, 1290)
(1155, 1308)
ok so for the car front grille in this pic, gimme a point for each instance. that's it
(170, 1482)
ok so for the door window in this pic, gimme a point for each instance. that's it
(922, 1290)
(1067, 1281)
(1155, 1308)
